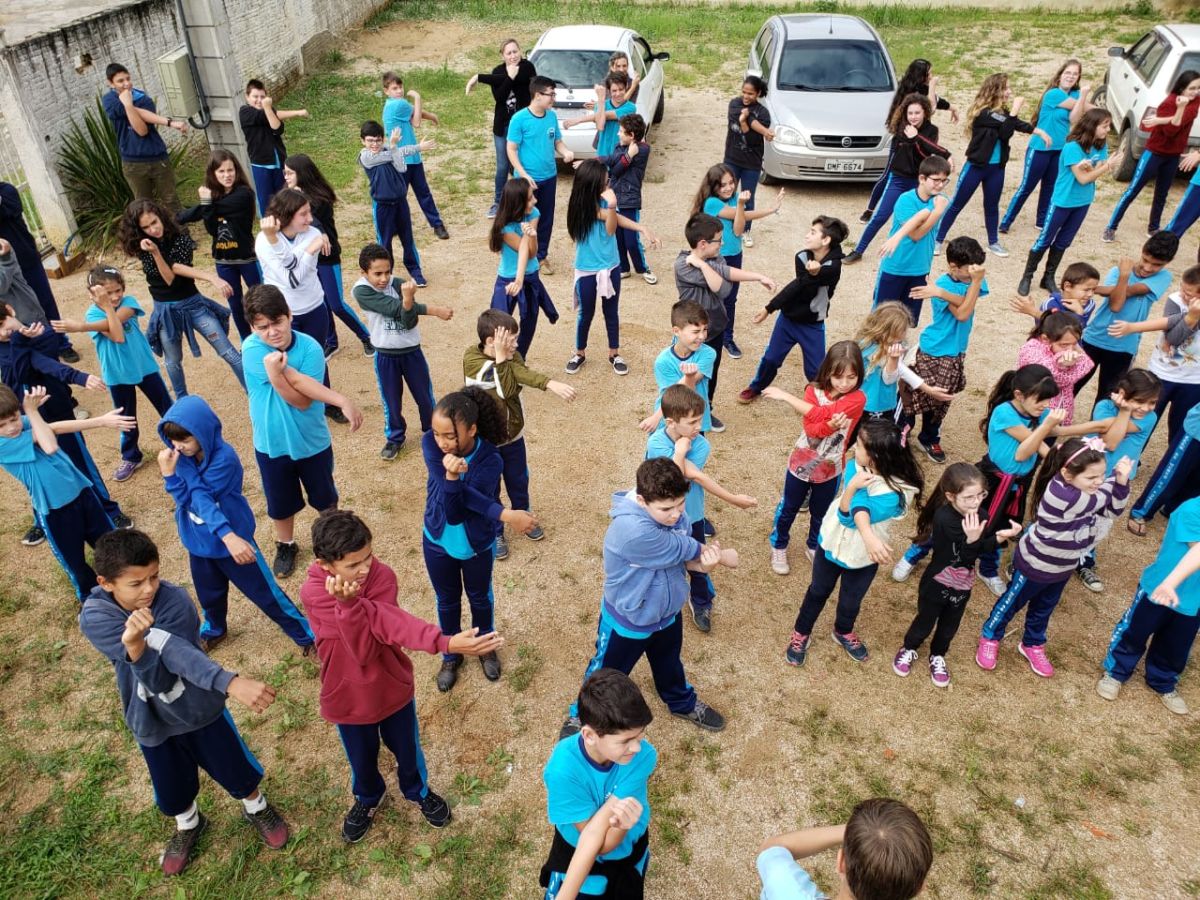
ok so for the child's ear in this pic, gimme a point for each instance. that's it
(324, 565)
(104, 583)
(841, 862)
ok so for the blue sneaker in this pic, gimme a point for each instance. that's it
(797, 650)
(852, 645)
(537, 534)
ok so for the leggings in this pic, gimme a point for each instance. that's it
(235, 274)
(991, 177)
(1041, 167)
(825, 575)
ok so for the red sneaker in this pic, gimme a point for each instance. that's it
(748, 395)
(178, 852)
(270, 825)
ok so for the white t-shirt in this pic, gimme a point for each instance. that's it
(1182, 364)
(783, 878)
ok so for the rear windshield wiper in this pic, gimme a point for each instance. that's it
(798, 87)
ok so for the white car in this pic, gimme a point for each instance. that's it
(575, 57)
(830, 83)
(1139, 78)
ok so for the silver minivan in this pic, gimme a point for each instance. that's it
(830, 84)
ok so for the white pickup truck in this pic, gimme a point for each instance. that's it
(1139, 78)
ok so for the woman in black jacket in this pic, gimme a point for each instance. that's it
(227, 209)
(991, 121)
(510, 89)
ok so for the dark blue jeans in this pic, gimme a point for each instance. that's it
(503, 166)
(235, 274)
(585, 290)
(450, 578)
(543, 193)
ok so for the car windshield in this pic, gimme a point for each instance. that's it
(833, 66)
(572, 68)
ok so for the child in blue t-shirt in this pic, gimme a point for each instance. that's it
(1129, 290)
(626, 166)
(606, 112)
(126, 362)
(942, 347)
(689, 360)
(907, 254)
(514, 235)
(284, 369)
(1165, 614)
(1176, 478)
(1084, 159)
(679, 438)
(400, 113)
(598, 778)
(64, 502)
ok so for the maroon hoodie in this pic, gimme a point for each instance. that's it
(365, 673)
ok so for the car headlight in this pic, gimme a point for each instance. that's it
(785, 134)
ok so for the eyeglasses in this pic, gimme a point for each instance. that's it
(546, 93)
(981, 496)
(937, 181)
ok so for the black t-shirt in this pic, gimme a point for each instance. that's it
(951, 551)
(264, 144)
(177, 251)
(509, 94)
(745, 150)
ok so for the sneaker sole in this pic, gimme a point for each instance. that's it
(1096, 587)
(747, 401)
(781, 571)
(1105, 696)
(38, 542)
(199, 831)
(901, 674)
(939, 684)
(907, 575)
(1021, 650)
(540, 537)
(795, 665)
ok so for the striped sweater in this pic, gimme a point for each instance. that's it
(1065, 530)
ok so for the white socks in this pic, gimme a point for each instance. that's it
(257, 805)
(188, 820)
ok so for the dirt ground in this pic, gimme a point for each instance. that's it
(1022, 775)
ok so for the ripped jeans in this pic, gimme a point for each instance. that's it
(205, 322)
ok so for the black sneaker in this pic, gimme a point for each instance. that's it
(933, 450)
(448, 674)
(866, 216)
(435, 810)
(618, 365)
(285, 559)
(368, 347)
(333, 414)
(852, 644)
(391, 450)
(178, 852)
(702, 616)
(710, 530)
(121, 521)
(331, 352)
(441, 233)
(717, 425)
(491, 666)
(570, 727)
(359, 820)
(69, 355)
(703, 716)
(34, 536)
(575, 363)
(851, 258)
(734, 351)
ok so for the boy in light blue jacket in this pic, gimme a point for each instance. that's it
(648, 552)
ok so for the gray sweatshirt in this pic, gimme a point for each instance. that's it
(16, 292)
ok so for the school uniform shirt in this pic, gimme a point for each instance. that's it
(24, 364)
(179, 250)
(504, 382)
(1065, 528)
(393, 328)
(207, 489)
(1180, 364)
(805, 299)
(365, 673)
(626, 174)
(606, 141)
(1054, 303)
(882, 390)
(576, 788)
(598, 251)
(461, 514)
(1002, 447)
(51, 478)
(745, 149)
(264, 144)
(690, 284)
(945, 335)
(126, 363)
(535, 137)
(397, 113)
(1053, 119)
(1183, 530)
(668, 370)
(784, 879)
(1133, 443)
(731, 244)
(385, 170)
(280, 429)
(660, 444)
(229, 220)
(1172, 140)
(508, 256)
(174, 687)
(132, 146)
(911, 257)
(289, 266)
(1135, 309)
(1069, 192)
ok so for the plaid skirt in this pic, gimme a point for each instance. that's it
(946, 372)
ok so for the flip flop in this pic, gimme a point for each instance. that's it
(1136, 527)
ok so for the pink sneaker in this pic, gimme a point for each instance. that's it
(985, 655)
(1037, 660)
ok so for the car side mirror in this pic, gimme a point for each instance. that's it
(663, 56)
(1116, 51)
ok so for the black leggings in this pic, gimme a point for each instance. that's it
(825, 575)
(937, 606)
(1111, 364)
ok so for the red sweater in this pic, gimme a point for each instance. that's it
(365, 673)
(1172, 140)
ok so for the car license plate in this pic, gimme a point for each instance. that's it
(843, 165)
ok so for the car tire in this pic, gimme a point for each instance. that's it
(1100, 96)
(768, 180)
(1129, 163)
(661, 109)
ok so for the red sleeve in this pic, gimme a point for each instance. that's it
(816, 422)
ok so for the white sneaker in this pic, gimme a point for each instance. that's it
(1174, 702)
(995, 584)
(779, 561)
(902, 570)
(747, 240)
(937, 248)
(1108, 687)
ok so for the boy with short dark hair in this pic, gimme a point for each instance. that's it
(203, 475)
(680, 439)
(884, 851)
(387, 183)
(803, 305)
(173, 695)
(703, 275)
(908, 252)
(647, 549)
(496, 365)
(1076, 295)
(262, 126)
(64, 500)
(392, 313)
(284, 369)
(144, 159)
(400, 113)
(597, 794)
(626, 166)
(366, 677)
(608, 108)
(688, 360)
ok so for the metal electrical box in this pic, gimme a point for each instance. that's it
(175, 72)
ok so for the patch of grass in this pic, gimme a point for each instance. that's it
(475, 864)
(1183, 746)
(669, 817)
(1075, 879)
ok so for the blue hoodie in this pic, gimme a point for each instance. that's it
(174, 687)
(461, 515)
(208, 492)
(645, 581)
